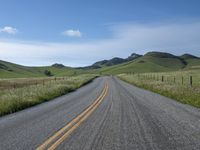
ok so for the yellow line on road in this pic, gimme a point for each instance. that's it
(55, 140)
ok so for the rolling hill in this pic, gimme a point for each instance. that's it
(112, 62)
(11, 70)
(150, 62)
(155, 62)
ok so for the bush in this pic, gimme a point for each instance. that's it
(48, 73)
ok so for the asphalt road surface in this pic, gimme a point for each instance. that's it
(107, 114)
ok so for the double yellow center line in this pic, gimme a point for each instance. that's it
(54, 141)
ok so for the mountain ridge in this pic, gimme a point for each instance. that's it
(150, 62)
(155, 62)
(111, 62)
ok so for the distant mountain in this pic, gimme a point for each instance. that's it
(191, 60)
(112, 62)
(133, 56)
(159, 55)
(150, 62)
(155, 62)
(58, 65)
(189, 56)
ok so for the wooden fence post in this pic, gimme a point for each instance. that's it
(162, 78)
(182, 80)
(190, 80)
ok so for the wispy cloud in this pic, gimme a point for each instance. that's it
(72, 33)
(176, 38)
(9, 30)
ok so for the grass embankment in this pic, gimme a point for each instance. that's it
(175, 85)
(18, 98)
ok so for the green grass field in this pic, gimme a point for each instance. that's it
(175, 85)
(13, 99)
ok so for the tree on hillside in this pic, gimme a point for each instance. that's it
(48, 73)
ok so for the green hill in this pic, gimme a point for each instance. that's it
(191, 61)
(11, 70)
(154, 62)
(150, 62)
(188, 56)
(111, 62)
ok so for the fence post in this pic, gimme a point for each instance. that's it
(182, 80)
(174, 79)
(162, 78)
(43, 82)
(190, 80)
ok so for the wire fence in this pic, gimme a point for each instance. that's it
(19, 83)
(168, 78)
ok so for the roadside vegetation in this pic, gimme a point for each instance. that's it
(17, 94)
(183, 86)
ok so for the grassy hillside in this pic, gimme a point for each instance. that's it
(150, 62)
(11, 70)
(192, 61)
(111, 62)
(154, 62)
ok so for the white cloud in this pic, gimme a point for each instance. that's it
(72, 33)
(9, 30)
(174, 38)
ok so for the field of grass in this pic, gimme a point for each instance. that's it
(24, 82)
(176, 85)
(32, 91)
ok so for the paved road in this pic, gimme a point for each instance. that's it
(128, 118)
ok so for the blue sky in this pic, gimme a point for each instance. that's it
(78, 33)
